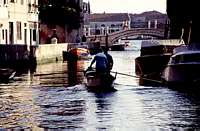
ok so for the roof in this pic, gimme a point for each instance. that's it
(109, 17)
(150, 15)
(187, 52)
(169, 42)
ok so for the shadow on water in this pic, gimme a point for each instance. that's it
(190, 90)
(72, 67)
(104, 110)
(150, 82)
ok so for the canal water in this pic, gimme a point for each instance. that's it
(54, 97)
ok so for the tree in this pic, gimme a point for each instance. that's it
(61, 12)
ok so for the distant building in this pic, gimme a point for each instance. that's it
(19, 22)
(150, 19)
(86, 14)
(106, 23)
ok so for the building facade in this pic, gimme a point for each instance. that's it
(150, 19)
(19, 22)
(86, 14)
(100, 24)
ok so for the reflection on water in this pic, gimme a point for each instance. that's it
(54, 97)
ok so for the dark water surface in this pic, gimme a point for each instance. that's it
(55, 98)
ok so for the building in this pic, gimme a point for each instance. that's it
(86, 14)
(150, 19)
(19, 22)
(184, 20)
(106, 23)
(52, 24)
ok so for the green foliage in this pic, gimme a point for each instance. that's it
(61, 12)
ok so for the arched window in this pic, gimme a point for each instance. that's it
(112, 25)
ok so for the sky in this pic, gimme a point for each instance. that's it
(127, 6)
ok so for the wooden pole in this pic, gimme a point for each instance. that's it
(190, 30)
(106, 41)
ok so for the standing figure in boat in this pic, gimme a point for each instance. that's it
(101, 62)
(78, 38)
(110, 60)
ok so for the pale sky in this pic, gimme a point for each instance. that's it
(127, 6)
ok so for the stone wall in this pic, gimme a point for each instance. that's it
(17, 56)
(12, 55)
(50, 52)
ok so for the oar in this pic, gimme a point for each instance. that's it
(137, 77)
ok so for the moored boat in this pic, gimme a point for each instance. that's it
(183, 69)
(77, 53)
(99, 82)
(6, 74)
(154, 56)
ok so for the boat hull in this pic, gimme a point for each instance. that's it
(182, 74)
(98, 82)
(6, 74)
(118, 47)
(151, 65)
(76, 54)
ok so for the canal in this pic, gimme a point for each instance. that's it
(54, 97)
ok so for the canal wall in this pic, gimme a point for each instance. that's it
(50, 52)
(14, 55)
(20, 56)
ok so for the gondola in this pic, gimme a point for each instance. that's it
(99, 82)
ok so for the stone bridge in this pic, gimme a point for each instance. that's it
(113, 37)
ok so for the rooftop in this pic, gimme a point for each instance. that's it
(108, 17)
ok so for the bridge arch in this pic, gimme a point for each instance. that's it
(113, 37)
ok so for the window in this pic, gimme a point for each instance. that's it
(12, 1)
(112, 25)
(34, 35)
(19, 30)
(22, 2)
(4, 2)
(3, 34)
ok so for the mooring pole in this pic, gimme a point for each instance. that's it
(106, 41)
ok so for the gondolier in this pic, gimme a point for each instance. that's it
(109, 59)
(101, 62)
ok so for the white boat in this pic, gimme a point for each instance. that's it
(183, 69)
(99, 82)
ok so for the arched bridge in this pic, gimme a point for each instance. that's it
(113, 37)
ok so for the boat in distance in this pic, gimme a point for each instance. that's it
(78, 53)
